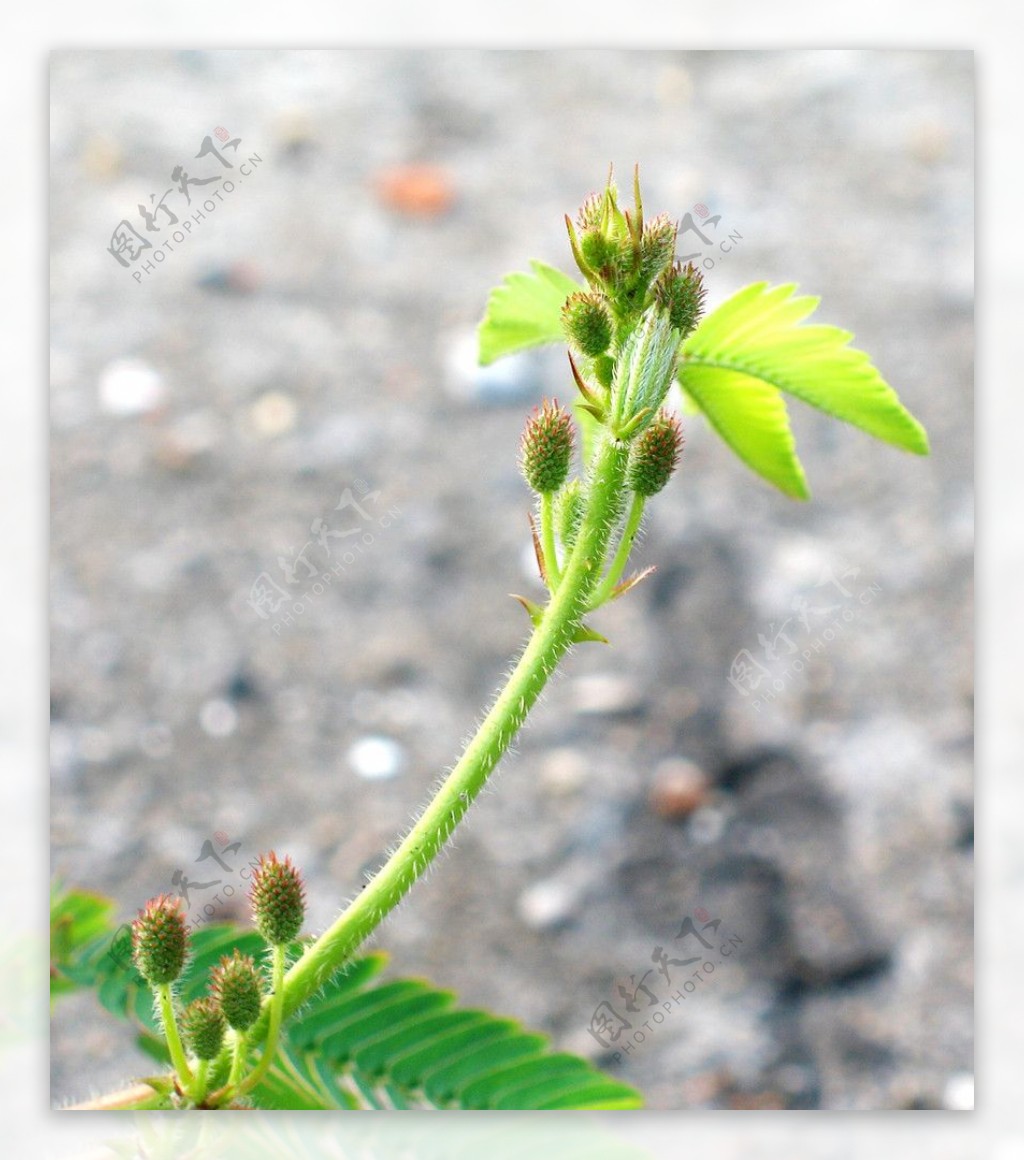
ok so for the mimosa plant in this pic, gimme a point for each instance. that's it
(269, 1019)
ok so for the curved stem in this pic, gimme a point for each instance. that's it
(177, 1052)
(636, 514)
(550, 640)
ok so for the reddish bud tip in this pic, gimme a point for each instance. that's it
(546, 448)
(160, 940)
(655, 455)
(681, 292)
(237, 987)
(278, 899)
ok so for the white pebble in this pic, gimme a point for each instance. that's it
(273, 413)
(546, 904)
(129, 386)
(376, 758)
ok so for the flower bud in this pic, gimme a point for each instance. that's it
(277, 898)
(202, 1028)
(237, 987)
(598, 251)
(654, 455)
(644, 372)
(160, 940)
(657, 248)
(681, 293)
(546, 447)
(588, 323)
(569, 512)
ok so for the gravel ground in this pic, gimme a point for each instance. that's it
(305, 355)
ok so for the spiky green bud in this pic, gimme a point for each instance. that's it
(657, 248)
(546, 447)
(160, 940)
(278, 899)
(681, 293)
(654, 455)
(202, 1028)
(569, 512)
(237, 987)
(588, 323)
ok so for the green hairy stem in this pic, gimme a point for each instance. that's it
(551, 639)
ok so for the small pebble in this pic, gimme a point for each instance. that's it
(218, 718)
(295, 134)
(192, 436)
(376, 758)
(101, 158)
(273, 414)
(129, 386)
(678, 788)
(605, 693)
(238, 278)
(423, 191)
(563, 771)
(546, 904)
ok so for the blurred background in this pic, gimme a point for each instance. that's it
(291, 391)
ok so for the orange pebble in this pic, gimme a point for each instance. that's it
(416, 190)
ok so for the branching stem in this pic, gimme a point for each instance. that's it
(618, 565)
(550, 640)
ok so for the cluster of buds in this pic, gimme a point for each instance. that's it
(642, 303)
(624, 332)
(237, 984)
(619, 253)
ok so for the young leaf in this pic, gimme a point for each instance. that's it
(750, 348)
(524, 311)
(750, 415)
(77, 918)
